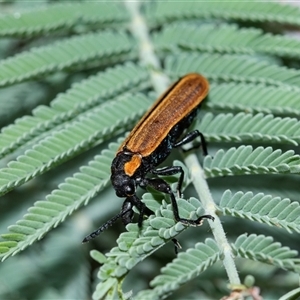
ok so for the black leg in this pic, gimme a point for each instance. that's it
(144, 210)
(127, 214)
(190, 137)
(160, 185)
(171, 171)
(177, 245)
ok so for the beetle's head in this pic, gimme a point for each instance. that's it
(123, 184)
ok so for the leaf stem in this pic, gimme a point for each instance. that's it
(139, 30)
(201, 186)
(160, 82)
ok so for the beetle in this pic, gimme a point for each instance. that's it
(150, 143)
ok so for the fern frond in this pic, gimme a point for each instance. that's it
(136, 244)
(83, 134)
(246, 160)
(232, 68)
(46, 214)
(254, 98)
(263, 249)
(226, 38)
(77, 100)
(60, 16)
(247, 127)
(184, 268)
(59, 248)
(262, 208)
(168, 11)
(98, 48)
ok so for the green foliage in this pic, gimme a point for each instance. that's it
(235, 11)
(74, 77)
(97, 48)
(62, 16)
(244, 127)
(225, 38)
(232, 68)
(254, 98)
(244, 160)
(262, 248)
(185, 267)
(273, 211)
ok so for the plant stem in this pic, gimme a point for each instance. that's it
(201, 186)
(147, 55)
(160, 82)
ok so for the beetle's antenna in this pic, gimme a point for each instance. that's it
(105, 225)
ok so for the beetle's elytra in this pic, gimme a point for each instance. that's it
(150, 143)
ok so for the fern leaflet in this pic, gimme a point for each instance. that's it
(263, 249)
(254, 98)
(84, 133)
(60, 16)
(226, 39)
(262, 208)
(246, 160)
(77, 51)
(247, 127)
(168, 11)
(48, 213)
(136, 244)
(185, 267)
(76, 101)
(232, 68)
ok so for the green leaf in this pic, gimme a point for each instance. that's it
(232, 68)
(246, 127)
(225, 38)
(48, 213)
(254, 98)
(60, 16)
(137, 244)
(245, 10)
(81, 135)
(76, 101)
(246, 160)
(262, 208)
(262, 248)
(78, 51)
(187, 266)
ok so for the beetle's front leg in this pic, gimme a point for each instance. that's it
(127, 207)
(160, 185)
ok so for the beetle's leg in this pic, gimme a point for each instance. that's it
(160, 185)
(171, 171)
(190, 137)
(144, 210)
(125, 213)
(176, 245)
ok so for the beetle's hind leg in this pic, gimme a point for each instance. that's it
(171, 171)
(189, 138)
